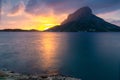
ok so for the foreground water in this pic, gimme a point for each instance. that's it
(90, 56)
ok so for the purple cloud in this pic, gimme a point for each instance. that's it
(117, 22)
(0, 9)
(0, 5)
(63, 6)
(36, 7)
(17, 9)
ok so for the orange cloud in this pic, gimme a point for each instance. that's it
(19, 18)
(48, 20)
(28, 21)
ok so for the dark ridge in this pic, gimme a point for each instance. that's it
(18, 30)
(80, 13)
(83, 20)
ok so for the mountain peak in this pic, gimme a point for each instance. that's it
(80, 13)
(83, 20)
(84, 10)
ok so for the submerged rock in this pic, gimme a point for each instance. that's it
(2, 74)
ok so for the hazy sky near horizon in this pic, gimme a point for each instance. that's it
(42, 14)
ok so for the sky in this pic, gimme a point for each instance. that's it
(43, 14)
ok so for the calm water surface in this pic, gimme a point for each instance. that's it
(90, 56)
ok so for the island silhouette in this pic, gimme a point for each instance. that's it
(18, 30)
(83, 20)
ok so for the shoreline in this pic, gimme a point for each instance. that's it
(10, 75)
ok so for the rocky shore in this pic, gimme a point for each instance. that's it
(9, 75)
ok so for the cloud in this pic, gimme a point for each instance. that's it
(117, 22)
(17, 9)
(0, 6)
(67, 6)
(0, 3)
(103, 6)
(0, 10)
(37, 7)
(110, 15)
(44, 6)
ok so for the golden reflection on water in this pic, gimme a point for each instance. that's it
(50, 48)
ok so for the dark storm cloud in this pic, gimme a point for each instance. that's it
(62, 6)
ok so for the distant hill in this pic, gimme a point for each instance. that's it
(18, 30)
(83, 20)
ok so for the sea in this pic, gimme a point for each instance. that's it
(89, 56)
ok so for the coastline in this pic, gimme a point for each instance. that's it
(10, 75)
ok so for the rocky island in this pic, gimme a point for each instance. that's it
(83, 20)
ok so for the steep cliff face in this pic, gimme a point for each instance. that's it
(83, 20)
(80, 13)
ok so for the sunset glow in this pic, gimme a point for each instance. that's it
(27, 22)
(15, 17)
(49, 58)
(46, 22)
(35, 22)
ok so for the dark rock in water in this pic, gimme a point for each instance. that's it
(9, 75)
(2, 74)
(83, 20)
